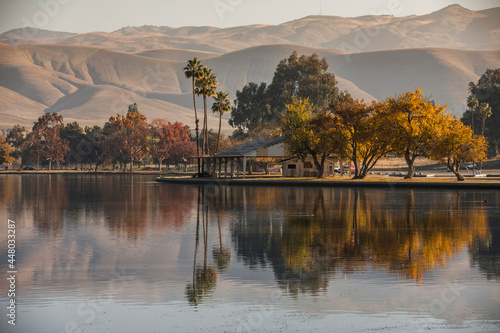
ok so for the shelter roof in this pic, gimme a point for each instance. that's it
(262, 147)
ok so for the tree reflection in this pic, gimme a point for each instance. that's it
(327, 231)
(485, 253)
(46, 196)
(221, 254)
(204, 276)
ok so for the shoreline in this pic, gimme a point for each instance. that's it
(438, 182)
(346, 182)
(74, 172)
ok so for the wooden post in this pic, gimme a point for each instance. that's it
(244, 167)
(225, 167)
(232, 166)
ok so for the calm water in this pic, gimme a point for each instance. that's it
(101, 253)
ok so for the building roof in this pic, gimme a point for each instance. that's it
(262, 147)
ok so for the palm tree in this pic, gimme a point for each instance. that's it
(472, 104)
(483, 111)
(205, 86)
(193, 71)
(221, 105)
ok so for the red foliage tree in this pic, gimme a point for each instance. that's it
(46, 140)
(169, 141)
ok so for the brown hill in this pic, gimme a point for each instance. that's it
(88, 84)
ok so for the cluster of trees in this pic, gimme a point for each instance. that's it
(258, 107)
(204, 83)
(483, 113)
(408, 125)
(317, 119)
(124, 139)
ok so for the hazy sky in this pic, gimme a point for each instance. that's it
(109, 15)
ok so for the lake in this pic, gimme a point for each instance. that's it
(122, 253)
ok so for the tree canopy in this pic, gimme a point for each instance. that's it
(308, 132)
(304, 77)
(486, 90)
(6, 152)
(412, 119)
(454, 143)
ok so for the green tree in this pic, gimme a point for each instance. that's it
(304, 77)
(487, 90)
(193, 71)
(74, 134)
(94, 137)
(221, 105)
(251, 109)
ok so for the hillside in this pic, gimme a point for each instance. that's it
(90, 84)
(100, 73)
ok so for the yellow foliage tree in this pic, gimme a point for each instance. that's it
(412, 119)
(454, 143)
(308, 132)
(6, 152)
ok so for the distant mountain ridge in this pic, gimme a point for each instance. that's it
(451, 27)
(89, 77)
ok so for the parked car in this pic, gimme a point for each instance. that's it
(28, 167)
(466, 166)
(345, 168)
(470, 166)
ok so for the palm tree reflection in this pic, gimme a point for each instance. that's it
(221, 254)
(204, 276)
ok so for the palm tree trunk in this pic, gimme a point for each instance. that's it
(205, 124)
(197, 240)
(197, 122)
(218, 135)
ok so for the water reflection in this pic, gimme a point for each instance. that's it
(182, 242)
(322, 232)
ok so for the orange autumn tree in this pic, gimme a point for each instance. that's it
(454, 143)
(412, 120)
(127, 136)
(167, 140)
(364, 126)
